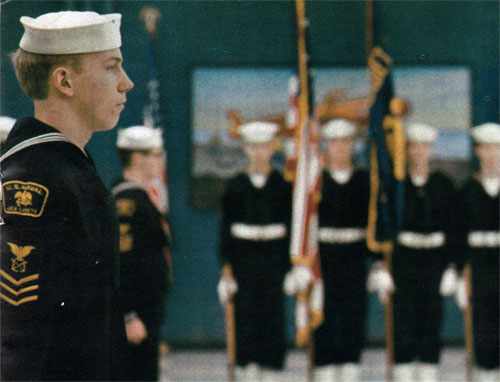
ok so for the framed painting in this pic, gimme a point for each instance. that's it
(224, 96)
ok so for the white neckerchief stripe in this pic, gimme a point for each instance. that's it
(127, 185)
(49, 137)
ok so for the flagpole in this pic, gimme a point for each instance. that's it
(369, 29)
(386, 249)
(469, 347)
(381, 247)
(389, 320)
(230, 340)
(302, 147)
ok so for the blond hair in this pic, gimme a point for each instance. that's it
(33, 70)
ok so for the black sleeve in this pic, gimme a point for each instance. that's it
(41, 261)
(143, 268)
(226, 240)
(461, 214)
(365, 202)
(450, 214)
(288, 197)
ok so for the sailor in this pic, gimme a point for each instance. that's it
(61, 316)
(256, 211)
(145, 239)
(479, 206)
(343, 214)
(422, 260)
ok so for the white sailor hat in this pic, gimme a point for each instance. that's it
(258, 132)
(486, 133)
(338, 128)
(6, 124)
(139, 138)
(419, 132)
(70, 32)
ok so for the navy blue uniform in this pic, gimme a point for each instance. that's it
(343, 214)
(480, 223)
(255, 242)
(61, 318)
(421, 255)
(144, 245)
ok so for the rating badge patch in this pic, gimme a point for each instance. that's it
(19, 262)
(24, 198)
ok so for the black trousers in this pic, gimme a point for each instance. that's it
(341, 336)
(486, 330)
(417, 322)
(141, 362)
(259, 316)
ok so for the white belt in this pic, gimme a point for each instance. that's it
(488, 239)
(332, 235)
(421, 240)
(258, 232)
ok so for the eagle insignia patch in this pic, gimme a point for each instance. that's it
(19, 263)
(24, 198)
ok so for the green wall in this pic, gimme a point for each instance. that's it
(258, 33)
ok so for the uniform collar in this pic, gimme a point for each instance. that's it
(29, 127)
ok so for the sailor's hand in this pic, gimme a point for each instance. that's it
(297, 279)
(449, 281)
(226, 288)
(136, 330)
(380, 281)
(461, 295)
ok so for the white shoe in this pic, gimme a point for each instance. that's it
(325, 374)
(428, 372)
(249, 373)
(239, 374)
(402, 372)
(349, 372)
(269, 375)
(485, 375)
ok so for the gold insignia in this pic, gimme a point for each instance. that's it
(24, 198)
(125, 207)
(126, 239)
(19, 291)
(18, 263)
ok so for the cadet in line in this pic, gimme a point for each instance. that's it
(61, 315)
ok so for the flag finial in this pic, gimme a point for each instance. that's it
(150, 16)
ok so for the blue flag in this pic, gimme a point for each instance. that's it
(387, 168)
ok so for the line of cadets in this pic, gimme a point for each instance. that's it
(442, 230)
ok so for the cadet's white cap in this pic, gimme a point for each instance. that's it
(70, 32)
(419, 132)
(486, 133)
(139, 138)
(258, 132)
(6, 124)
(338, 128)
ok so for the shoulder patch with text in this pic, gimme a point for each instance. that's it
(24, 198)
